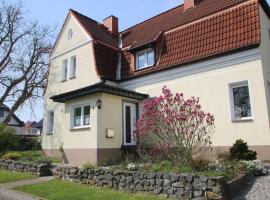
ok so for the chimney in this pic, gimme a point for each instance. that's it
(188, 4)
(111, 23)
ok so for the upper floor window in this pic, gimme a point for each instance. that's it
(145, 58)
(64, 70)
(70, 34)
(50, 122)
(240, 101)
(73, 65)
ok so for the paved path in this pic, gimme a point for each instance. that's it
(7, 194)
(259, 190)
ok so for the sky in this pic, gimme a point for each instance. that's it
(53, 12)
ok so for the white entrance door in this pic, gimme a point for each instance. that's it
(129, 120)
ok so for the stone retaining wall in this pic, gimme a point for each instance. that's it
(35, 169)
(180, 186)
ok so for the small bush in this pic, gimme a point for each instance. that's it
(89, 166)
(12, 156)
(225, 156)
(199, 164)
(240, 151)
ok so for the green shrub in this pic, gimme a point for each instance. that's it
(24, 143)
(12, 156)
(44, 161)
(89, 166)
(225, 156)
(7, 140)
(240, 151)
(199, 164)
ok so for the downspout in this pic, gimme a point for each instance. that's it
(119, 59)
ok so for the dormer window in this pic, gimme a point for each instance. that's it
(145, 58)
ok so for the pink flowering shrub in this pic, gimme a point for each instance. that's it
(173, 128)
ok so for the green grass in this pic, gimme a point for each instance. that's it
(58, 190)
(33, 156)
(8, 176)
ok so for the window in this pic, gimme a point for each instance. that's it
(81, 116)
(64, 70)
(50, 122)
(73, 67)
(2, 112)
(70, 34)
(240, 101)
(145, 59)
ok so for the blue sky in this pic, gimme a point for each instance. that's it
(53, 12)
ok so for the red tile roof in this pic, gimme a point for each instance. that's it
(228, 30)
(212, 27)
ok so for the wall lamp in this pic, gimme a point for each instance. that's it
(99, 103)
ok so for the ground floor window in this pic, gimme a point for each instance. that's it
(81, 116)
(50, 122)
(240, 101)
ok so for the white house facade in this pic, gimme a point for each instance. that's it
(98, 76)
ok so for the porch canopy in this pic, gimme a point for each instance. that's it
(98, 88)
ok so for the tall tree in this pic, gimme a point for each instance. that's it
(24, 57)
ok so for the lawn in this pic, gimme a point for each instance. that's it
(58, 190)
(8, 176)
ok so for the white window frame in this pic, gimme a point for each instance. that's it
(82, 115)
(73, 67)
(145, 52)
(50, 126)
(64, 70)
(236, 85)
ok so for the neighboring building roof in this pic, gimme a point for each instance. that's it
(20, 123)
(211, 28)
(99, 87)
(29, 125)
(39, 124)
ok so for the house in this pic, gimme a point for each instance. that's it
(217, 50)
(14, 122)
(39, 126)
(30, 129)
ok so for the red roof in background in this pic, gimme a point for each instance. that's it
(211, 28)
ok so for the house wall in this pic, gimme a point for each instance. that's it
(80, 145)
(265, 52)
(209, 81)
(111, 117)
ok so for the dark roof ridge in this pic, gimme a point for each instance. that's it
(76, 12)
(121, 32)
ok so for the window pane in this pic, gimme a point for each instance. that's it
(77, 116)
(73, 67)
(128, 125)
(64, 70)
(141, 61)
(51, 122)
(241, 100)
(86, 116)
(150, 58)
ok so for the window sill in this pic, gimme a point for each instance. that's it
(79, 128)
(246, 119)
(141, 69)
(64, 80)
(72, 77)
(49, 134)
